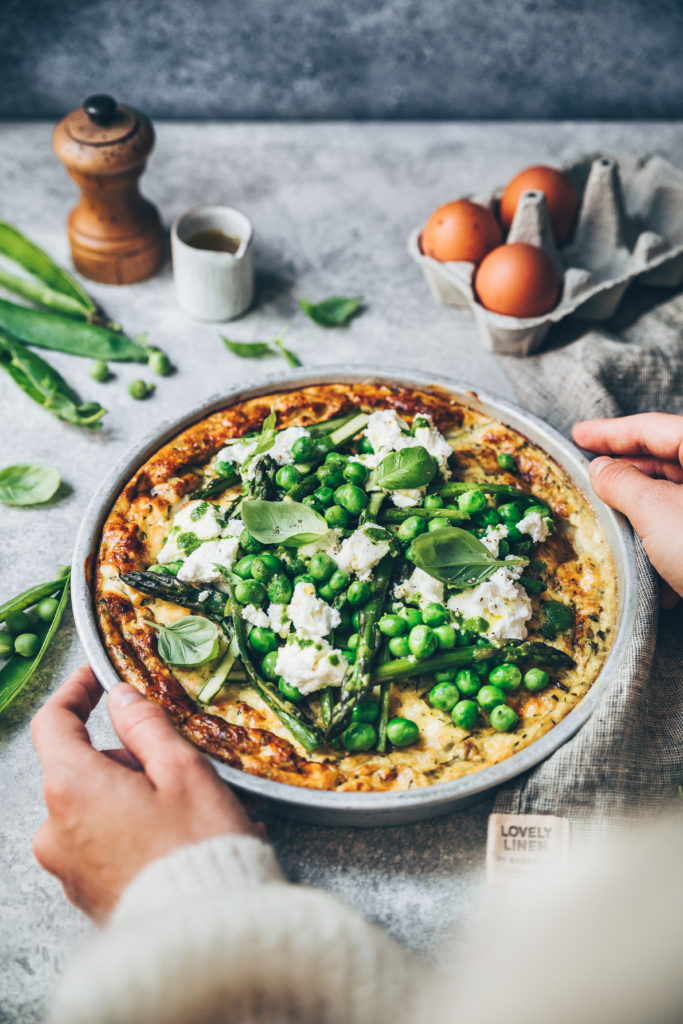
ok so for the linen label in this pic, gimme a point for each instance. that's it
(522, 847)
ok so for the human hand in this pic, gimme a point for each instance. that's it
(645, 483)
(112, 812)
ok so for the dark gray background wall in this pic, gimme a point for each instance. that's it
(299, 59)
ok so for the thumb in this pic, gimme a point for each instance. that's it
(148, 733)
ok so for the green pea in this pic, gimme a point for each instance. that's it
(475, 625)
(359, 736)
(444, 696)
(490, 696)
(433, 501)
(463, 638)
(536, 679)
(138, 390)
(468, 682)
(249, 544)
(532, 585)
(401, 732)
(6, 644)
(558, 618)
(174, 567)
(330, 474)
(287, 476)
(503, 548)
(26, 644)
(326, 592)
(465, 714)
(411, 528)
(337, 457)
(446, 675)
(305, 449)
(264, 567)
(489, 517)
(99, 370)
(359, 593)
(393, 625)
(262, 640)
(243, 566)
(279, 589)
(356, 473)
(434, 614)
(506, 462)
(437, 524)
(421, 641)
(268, 665)
(504, 718)
(398, 646)
(445, 637)
(250, 592)
(312, 502)
(321, 566)
(470, 502)
(225, 469)
(303, 577)
(338, 581)
(290, 692)
(18, 622)
(46, 608)
(511, 512)
(352, 498)
(325, 496)
(542, 510)
(413, 616)
(159, 362)
(349, 656)
(355, 619)
(364, 447)
(507, 677)
(513, 535)
(365, 710)
(337, 517)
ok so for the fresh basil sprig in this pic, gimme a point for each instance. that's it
(333, 312)
(454, 556)
(282, 522)
(190, 641)
(409, 467)
(259, 349)
(28, 484)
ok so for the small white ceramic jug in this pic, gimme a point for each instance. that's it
(210, 284)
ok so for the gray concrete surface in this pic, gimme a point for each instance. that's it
(332, 206)
(508, 59)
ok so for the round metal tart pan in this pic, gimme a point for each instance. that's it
(391, 808)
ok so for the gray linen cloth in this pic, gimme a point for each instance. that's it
(628, 759)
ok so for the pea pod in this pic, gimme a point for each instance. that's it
(45, 385)
(41, 294)
(64, 334)
(16, 672)
(34, 259)
(29, 597)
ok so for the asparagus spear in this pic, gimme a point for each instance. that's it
(262, 483)
(511, 650)
(209, 602)
(398, 515)
(215, 487)
(451, 490)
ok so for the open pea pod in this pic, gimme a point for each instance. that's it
(64, 334)
(45, 385)
(31, 257)
(17, 672)
(27, 598)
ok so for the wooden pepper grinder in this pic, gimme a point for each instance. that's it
(115, 235)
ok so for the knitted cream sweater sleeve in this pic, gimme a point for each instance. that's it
(214, 933)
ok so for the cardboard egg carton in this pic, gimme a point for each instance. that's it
(629, 225)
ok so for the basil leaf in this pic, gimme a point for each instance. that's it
(282, 522)
(265, 439)
(190, 641)
(248, 349)
(28, 484)
(454, 556)
(333, 312)
(409, 467)
(291, 357)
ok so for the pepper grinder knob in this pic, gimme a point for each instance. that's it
(114, 233)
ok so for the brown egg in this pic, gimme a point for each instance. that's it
(560, 194)
(460, 231)
(517, 280)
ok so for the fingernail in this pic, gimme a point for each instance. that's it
(123, 694)
(597, 465)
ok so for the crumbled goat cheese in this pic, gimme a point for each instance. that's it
(237, 452)
(233, 528)
(200, 566)
(254, 615)
(420, 583)
(493, 536)
(312, 617)
(277, 619)
(535, 526)
(407, 498)
(359, 554)
(206, 527)
(328, 543)
(386, 433)
(501, 601)
(310, 666)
